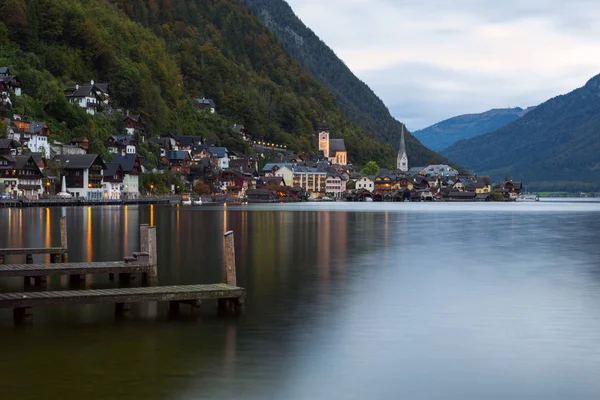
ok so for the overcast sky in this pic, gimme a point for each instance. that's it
(433, 59)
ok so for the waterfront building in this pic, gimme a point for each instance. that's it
(286, 174)
(83, 174)
(365, 183)
(312, 180)
(131, 166)
(20, 176)
(112, 181)
(335, 184)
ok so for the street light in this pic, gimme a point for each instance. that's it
(151, 187)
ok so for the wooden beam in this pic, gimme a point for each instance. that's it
(63, 238)
(229, 270)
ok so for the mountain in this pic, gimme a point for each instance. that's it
(355, 98)
(157, 57)
(445, 133)
(555, 146)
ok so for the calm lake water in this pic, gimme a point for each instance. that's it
(345, 301)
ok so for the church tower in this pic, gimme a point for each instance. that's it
(402, 160)
(324, 139)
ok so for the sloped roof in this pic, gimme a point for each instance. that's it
(134, 117)
(38, 158)
(123, 140)
(84, 89)
(270, 166)
(207, 102)
(336, 145)
(272, 180)
(112, 168)
(4, 70)
(8, 144)
(78, 161)
(36, 127)
(127, 161)
(219, 152)
(189, 140)
(177, 155)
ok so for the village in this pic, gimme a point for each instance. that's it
(34, 166)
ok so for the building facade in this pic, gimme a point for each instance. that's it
(83, 175)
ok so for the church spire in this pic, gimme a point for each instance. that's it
(402, 160)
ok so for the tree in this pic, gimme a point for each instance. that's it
(371, 168)
(201, 188)
(3, 129)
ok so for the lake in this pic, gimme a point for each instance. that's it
(345, 301)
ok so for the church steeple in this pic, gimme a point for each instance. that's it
(402, 160)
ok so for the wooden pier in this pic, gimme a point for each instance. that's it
(230, 297)
(175, 295)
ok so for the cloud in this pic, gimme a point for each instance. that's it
(433, 59)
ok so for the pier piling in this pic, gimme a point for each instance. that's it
(229, 275)
(63, 238)
(148, 245)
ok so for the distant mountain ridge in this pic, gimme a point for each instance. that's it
(555, 146)
(357, 101)
(445, 133)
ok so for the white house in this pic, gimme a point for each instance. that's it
(219, 156)
(34, 135)
(8, 82)
(286, 173)
(365, 183)
(131, 166)
(90, 96)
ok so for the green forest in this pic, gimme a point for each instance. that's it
(157, 56)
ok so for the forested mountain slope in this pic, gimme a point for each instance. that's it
(157, 56)
(356, 99)
(556, 146)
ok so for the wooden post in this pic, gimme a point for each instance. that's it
(229, 272)
(148, 245)
(63, 238)
(122, 308)
(173, 307)
(1, 259)
(22, 314)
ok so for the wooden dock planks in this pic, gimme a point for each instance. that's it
(32, 250)
(218, 291)
(80, 268)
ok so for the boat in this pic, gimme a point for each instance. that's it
(368, 199)
(186, 200)
(326, 198)
(528, 197)
(197, 202)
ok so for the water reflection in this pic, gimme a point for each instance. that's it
(398, 302)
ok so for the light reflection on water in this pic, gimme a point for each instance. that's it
(352, 301)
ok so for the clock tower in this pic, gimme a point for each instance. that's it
(324, 139)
